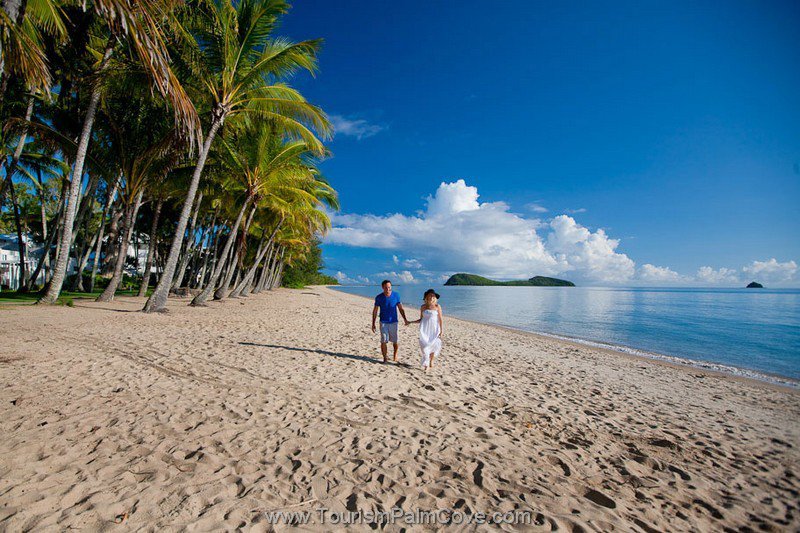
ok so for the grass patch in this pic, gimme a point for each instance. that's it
(65, 298)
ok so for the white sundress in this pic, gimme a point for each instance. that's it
(429, 341)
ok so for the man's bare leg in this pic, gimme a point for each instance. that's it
(385, 352)
(395, 351)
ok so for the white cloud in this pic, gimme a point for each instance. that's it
(344, 279)
(457, 232)
(657, 274)
(722, 276)
(358, 128)
(536, 208)
(593, 254)
(403, 276)
(575, 211)
(771, 270)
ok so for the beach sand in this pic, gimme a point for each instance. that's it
(211, 417)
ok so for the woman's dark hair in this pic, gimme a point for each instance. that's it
(430, 291)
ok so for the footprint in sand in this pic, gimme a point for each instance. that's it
(600, 499)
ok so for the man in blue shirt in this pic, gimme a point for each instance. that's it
(388, 303)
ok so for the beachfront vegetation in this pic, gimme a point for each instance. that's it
(536, 281)
(163, 125)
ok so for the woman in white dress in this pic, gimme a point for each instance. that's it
(430, 328)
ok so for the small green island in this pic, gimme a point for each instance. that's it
(754, 285)
(536, 281)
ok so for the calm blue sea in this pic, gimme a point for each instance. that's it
(735, 330)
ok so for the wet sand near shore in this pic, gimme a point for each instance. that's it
(212, 417)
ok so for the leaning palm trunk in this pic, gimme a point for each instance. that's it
(158, 300)
(84, 260)
(238, 289)
(99, 244)
(46, 250)
(276, 280)
(86, 205)
(187, 253)
(62, 261)
(151, 250)
(210, 258)
(273, 271)
(262, 279)
(222, 291)
(278, 272)
(201, 298)
(42, 211)
(262, 251)
(122, 251)
(114, 222)
(193, 259)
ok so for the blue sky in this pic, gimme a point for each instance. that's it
(608, 143)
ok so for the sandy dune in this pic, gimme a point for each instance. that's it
(208, 418)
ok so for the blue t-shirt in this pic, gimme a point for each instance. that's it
(388, 307)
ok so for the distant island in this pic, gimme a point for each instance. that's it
(536, 281)
(754, 285)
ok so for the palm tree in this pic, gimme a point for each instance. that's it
(144, 145)
(269, 173)
(301, 221)
(235, 65)
(137, 25)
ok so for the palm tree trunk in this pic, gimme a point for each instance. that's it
(201, 298)
(23, 278)
(110, 258)
(20, 238)
(86, 202)
(240, 289)
(42, 206)
(193, 257)
(270, 269)
(151, 250)
(62, 261)
(158, 300)
(190, 245)
(278, 268)
(84, 260)
(210, 258)
(222, 291)
(48, 243)
(262, 279)
(122, 254)
(99, 244)
(43, 214)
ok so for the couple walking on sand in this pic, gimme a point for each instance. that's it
(387, 304)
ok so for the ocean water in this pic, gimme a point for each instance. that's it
(754, 332)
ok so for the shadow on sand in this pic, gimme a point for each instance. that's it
(354, 357)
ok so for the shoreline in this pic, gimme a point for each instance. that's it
(674, 361)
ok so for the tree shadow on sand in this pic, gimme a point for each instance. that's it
(354, 357)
